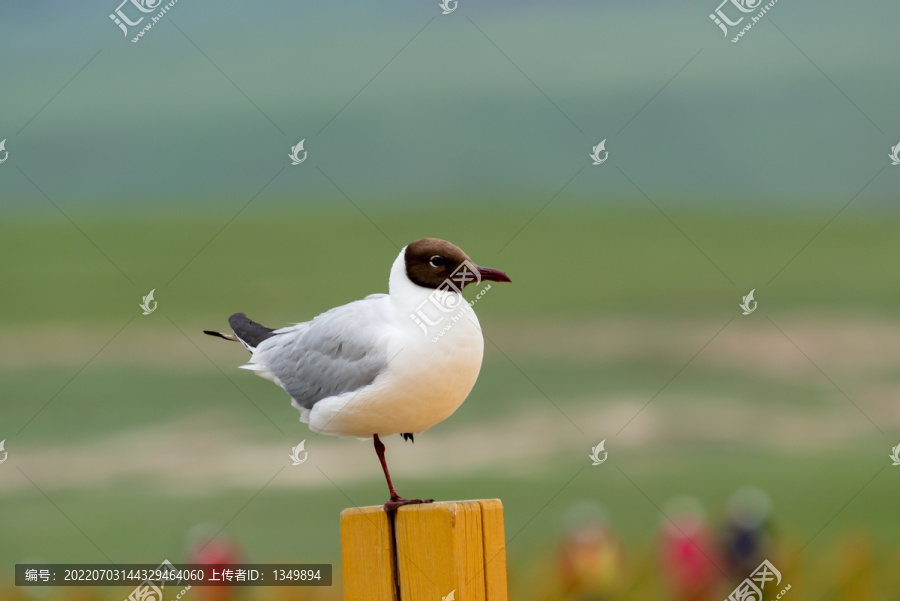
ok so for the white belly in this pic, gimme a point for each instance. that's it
(424, 383)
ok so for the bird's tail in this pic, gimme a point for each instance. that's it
(246, 331)
(231, 337)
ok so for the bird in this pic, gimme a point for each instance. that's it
(395, 363)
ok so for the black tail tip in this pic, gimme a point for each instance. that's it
(218, 335)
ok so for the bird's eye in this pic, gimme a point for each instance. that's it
(437, 261)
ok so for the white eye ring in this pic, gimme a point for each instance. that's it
(432, 263)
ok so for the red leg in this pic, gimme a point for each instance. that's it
(395, 500)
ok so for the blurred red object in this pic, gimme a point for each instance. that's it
(688, 550)
(208, 546)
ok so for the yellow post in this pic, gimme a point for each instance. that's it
(425, 552)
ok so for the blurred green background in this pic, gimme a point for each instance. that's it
(163, 165)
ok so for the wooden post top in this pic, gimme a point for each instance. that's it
(447, 551)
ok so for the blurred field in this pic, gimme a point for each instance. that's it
(163, 166)
(151, 438)
(570, 262)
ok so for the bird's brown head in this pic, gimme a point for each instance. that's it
(436, 263)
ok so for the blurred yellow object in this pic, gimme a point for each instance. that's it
(591, 565)
(855, 572)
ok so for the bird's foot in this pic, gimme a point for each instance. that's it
(396, 502)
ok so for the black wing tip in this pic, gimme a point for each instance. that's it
(408, 436)
(249, 331)
(237, 320)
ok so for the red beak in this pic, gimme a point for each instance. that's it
(493, 275)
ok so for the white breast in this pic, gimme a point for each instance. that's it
(429, 375)
(425, 382)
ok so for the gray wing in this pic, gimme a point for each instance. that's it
(339, 351)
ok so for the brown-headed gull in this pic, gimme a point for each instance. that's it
(394, 363)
